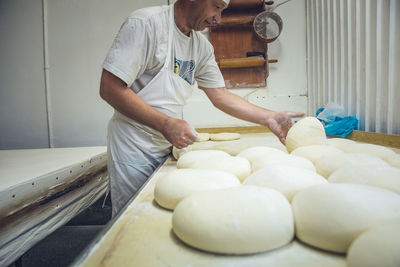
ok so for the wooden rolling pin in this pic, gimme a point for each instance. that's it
(234, 20)
(245, 62)
(239, 4)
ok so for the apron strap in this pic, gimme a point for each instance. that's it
(170, 36)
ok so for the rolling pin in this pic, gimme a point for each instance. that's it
(239, 4)
(245, 62)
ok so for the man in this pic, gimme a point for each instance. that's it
(150, 71)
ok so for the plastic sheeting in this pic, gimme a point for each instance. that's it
(42, 189)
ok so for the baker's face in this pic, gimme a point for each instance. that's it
(206, 13)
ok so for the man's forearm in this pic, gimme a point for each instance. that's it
(278, 122)
(238, 107)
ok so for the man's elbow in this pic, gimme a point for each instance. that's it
(105, 87)
(217, 103)
(110, 85)
(103, 92)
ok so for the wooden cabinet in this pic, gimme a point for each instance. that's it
(237, 45)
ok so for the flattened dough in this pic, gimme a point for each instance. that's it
(286, 179)
(393, 160)
(239, 220)
(339, 142)
(215, 160)
(326, 165)
(178, 184)
(371, 149)
(331, 216)
(380, 246)
(254, 153)
(192, 157)
(306, 132)
(202, 137)
(233, 147)
(314, 152)
(287, 160)
(385, 177)
(224, 136)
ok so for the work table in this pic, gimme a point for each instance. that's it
(142, 236)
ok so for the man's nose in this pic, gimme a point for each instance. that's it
(217, 18)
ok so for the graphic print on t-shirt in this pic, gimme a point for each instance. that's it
(185, 69)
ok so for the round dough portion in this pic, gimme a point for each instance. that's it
(210, 145)
(178, 184)
(200, 159)
(393, 160)
(326, 165)
(306, 132)
(254, 153)
(380, 246)
(339, 142)
(385, 177)
(285, 159)
(331, 216)
(224, 136)
(371, 149)
(192, 157)
(314, 152)
(238, 220)
(286, 179)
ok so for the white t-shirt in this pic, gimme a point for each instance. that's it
(139, 50)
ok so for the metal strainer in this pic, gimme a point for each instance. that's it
(268, 24)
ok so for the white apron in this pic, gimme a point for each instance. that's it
(134, 149)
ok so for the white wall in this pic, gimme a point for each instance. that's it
(22, 100)
(79, 36)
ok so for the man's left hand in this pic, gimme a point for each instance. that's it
(280, 122)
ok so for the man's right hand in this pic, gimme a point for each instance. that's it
(178, 132)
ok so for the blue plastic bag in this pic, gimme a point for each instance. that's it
(335, 120)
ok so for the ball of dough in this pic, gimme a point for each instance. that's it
(224, 136)
(314, 152)
(393, 160)
(326, 165)
(210, 145)
(173, 187)
(238, 220)
(254, 153)
(210, 159)
(339, 142)
(331, 216)
(266, 140)
(286, 179)
(193, 157)
(233, 147)
(384, 176)
(371, 149)
(379, 246)
(287, 160)
(306, 132)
